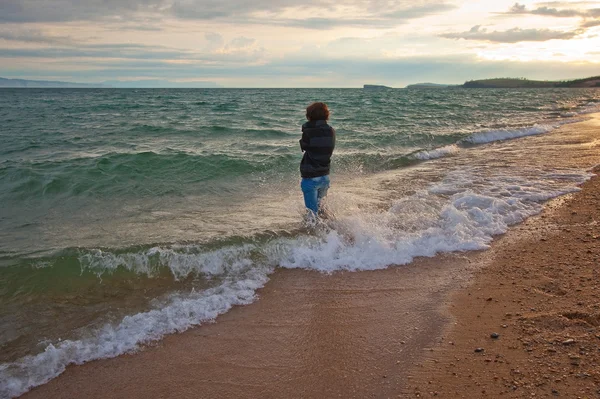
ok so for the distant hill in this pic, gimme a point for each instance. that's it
(429, 86)
(371, 87)
(44, 84)
(510, 83)
(144, 83)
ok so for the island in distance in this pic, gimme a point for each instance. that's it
(513, 83)
(522, 83)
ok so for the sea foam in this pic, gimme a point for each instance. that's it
(179, 314)
(462, 212)
(490, 136)
(182, 260)
(506, 134)
(589, 108)
(426, 155)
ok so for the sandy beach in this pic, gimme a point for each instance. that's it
(529, 324)
(409, 331)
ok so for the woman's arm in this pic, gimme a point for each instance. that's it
(304, 141)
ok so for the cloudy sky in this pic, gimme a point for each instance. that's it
(298, 43)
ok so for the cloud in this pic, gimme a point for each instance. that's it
(518, 9)
(331, 23)
(419, 11)
(302, 71)
(549, 10)
(566, 3)
(368, 12)
(138, 27)
(32, 36)
(214, 41)
(241, 42)
(514, 35)
(238, 50)
(73, 10)
(114, 51)
(373, 13)
(554, 12)
(591, 24)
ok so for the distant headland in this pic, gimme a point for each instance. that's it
(522, 83)
(504, 83)
(513, 83)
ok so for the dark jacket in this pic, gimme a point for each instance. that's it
(318, 141)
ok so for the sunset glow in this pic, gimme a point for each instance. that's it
(288, 43)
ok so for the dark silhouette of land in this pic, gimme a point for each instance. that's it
(522, 83)
(513, 83)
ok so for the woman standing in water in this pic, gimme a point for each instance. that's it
(317, 143)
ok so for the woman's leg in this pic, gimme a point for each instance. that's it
(322, 188)
(311, 199)
(322, 191)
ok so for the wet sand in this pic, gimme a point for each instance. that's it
(541, 295)
(309, 335)
(388, 333)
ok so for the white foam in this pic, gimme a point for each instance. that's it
(182, 261)
(426, 155)
(507, 134)
(181, 313)
(589, 108)
(460, 213)
(570, 114)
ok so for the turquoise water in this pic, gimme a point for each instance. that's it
(120, 203)
(66, 152)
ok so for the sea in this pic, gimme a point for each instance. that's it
(127, 215)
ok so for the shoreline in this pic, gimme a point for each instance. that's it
(309, 334)
(348, 334)
(529, 323)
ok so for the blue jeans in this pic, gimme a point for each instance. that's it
(314, 189)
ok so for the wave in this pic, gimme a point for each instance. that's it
(462, 212)
(506, 134)
(484, 137)
(182, 261)
(181, 313)
(138, 173)
(376, 161)
(253, 133)
(436, 153)
(589, 108)
(178, 172)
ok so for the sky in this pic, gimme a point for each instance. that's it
(294, 43)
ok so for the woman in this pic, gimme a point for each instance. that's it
(317, 143)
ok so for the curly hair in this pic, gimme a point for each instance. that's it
(317, 112)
